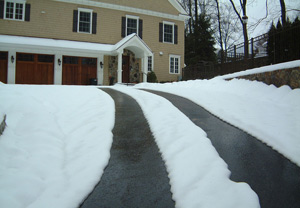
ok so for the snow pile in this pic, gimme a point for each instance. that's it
(286, 65)
(270, 114)
(198, 176)
(55, 146)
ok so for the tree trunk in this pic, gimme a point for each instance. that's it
(220, 32)
(283, 13)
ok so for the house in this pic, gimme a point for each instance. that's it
(79, 42)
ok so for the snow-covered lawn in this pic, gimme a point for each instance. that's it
(57, 140)
(55, 146)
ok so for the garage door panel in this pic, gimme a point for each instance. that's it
(34, 69)
(3, 66)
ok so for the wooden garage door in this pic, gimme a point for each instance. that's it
(3, 66)
(78, 70)
(34, 69)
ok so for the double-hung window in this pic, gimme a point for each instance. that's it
(132, 24)
(14, 10)
(150, 64)
(174, 64)
(85, 20)
(168, 32)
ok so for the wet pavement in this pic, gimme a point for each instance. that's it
(274, 178)
(136, 175)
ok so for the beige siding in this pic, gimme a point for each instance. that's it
(51, 19)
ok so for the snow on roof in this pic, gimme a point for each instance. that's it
(63, 44)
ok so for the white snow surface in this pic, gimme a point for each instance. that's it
(55, 146)
(281, 66)
(198, 176)
(269, 113)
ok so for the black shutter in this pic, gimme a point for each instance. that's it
(94, 27)
(1, 9)
(27, 12)
(161, 25)
(123, 27)
(75, 20)
(175, 34)
(141, 28)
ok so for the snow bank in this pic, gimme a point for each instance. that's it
(55, 146)
(270, 114)
(198, 176)
(286, 65)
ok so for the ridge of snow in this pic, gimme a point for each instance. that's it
(198, 176)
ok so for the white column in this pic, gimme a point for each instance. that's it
(145, 67)
(120, 67)
(58, 69)
(11, 69)
(100, 70)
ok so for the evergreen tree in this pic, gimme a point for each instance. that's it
(199, 43)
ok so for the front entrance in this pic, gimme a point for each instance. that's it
(125, 69)
(79, 70)
(3, 66)
(34, 69)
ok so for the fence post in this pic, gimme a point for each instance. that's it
(252, 53)
(234, 53)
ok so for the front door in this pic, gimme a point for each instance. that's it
(3, 66)
(125, 70)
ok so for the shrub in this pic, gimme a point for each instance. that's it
(151, 77)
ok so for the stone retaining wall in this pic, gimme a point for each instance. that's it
(290, 77)
(2, 125)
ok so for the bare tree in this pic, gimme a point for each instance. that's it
(283, 12)
(244, 20)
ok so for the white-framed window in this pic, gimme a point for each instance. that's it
(132, 24)
(174, 63)
(150, 63)
(14, 9)
(85, 20)
(168, 32)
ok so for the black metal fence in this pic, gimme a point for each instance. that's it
(281, 46)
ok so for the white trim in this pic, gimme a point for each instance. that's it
(173, 33)
(180, 17)
(14, 11)
(175, 57)
(91, 18)
(137, 23)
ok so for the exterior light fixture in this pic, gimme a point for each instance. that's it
(59, 62)
(12, 58)
(101, 64)
(244, 19)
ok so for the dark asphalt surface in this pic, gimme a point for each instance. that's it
(274, 178)
(136, 175)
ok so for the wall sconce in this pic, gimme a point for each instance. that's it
(59, 62)
(101, 64)
(161, 53)
(12, 58)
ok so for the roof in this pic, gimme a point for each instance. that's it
(44, 43)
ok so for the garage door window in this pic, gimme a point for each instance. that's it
(70, 60)
(45, 58)
(89, 61)
(25, 57)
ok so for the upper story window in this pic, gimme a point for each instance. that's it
(132, 24)
(14, 9)
(168, 32)
(84, 21)
(174, 64)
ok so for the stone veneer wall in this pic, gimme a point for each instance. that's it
(290, 77)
